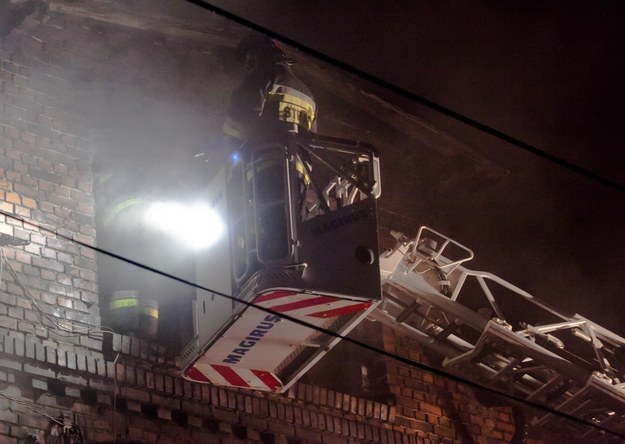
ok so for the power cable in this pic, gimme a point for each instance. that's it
(415, 97)
(61, 426)
(67, 328)
(28, 405)
(361, 344)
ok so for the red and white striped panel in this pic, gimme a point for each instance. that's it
(234, 377)
(311, 305)
(253, 342)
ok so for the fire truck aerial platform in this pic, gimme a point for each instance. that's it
(302, 245)
(301, 259)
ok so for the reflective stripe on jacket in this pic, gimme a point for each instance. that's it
(293, 106)
(265, 164)
(120, 207)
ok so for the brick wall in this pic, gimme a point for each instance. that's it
(439, 409)
(45, 180)
(154, 405)
(55, 361)
(48, 290)
(46, 200)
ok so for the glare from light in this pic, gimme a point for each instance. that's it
(197, 226)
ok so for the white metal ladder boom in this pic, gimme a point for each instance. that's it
(503, 337)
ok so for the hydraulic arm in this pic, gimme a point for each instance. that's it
(495, 333)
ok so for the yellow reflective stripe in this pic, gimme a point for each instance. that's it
(123, 303)
(133, 302)
(120, 207)
(294, 109)
(234, 129)
(152, 312)
(299, 167)
(103, 178)
(260, 166)
(298, 102)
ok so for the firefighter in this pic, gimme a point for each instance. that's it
(124, 196)
(270, 97)
(270, 106)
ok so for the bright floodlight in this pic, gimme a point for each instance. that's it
(197, 226)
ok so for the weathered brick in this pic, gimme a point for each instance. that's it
(307, 434)
(159, 382)
(169, 384)
(30, 348)
(206, 393)
(178, 387)
(135, 347)
(111, 370)
(125, 346)
(149, 380)
(72, 392)
(40, 352)
(72, 378)
(51, 355)
(89, 410)
(8, 299)
(9, 323)
(289, 413)
(39, 370)
(10, 364)
(70, 360)
(280, 427)
(228, 416)
(337, 425)
(133, 406)
(81, 362)
(164, 401)
(135, 394)
(194, 421)
(163, 413)
(39, 384)
(53, 178)
(130, 376)
(281, 409)
(48, 264)
(329, 438)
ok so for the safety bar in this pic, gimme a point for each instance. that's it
(432, 253)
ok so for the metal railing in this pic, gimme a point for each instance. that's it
(565, 362)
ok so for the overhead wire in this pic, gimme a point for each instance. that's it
(434, 106)
(66, 328)
(67, 428)
(402, 359)
(28, 405)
